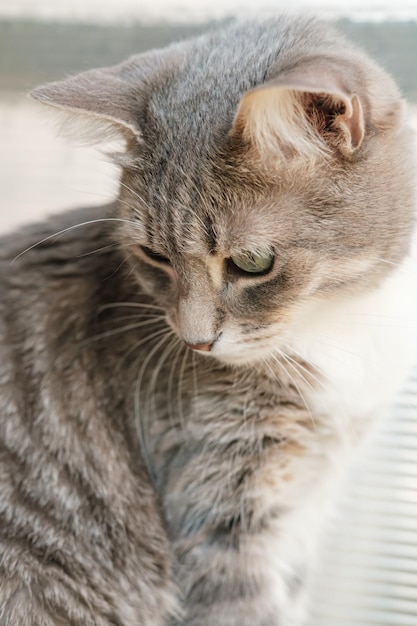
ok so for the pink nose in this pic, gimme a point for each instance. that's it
(202, 347)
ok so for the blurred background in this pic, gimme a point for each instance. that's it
(43, 40)
(367, 570)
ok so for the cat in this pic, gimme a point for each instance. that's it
(185, 373)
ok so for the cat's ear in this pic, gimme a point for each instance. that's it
(309, 110)
(106, 101)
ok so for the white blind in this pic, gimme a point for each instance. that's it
(367, 574)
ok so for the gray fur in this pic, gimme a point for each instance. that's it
(142, 482)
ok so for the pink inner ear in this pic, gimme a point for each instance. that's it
(355, 123)
(299, 120)
(336, 116)
(322, 109)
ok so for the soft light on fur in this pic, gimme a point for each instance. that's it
(275, 120)
(173, 428)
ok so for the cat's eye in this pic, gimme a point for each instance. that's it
(253, 262)
(154, 256)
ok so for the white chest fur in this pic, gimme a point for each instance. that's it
(362, 346)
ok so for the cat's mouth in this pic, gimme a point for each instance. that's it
(233, 351)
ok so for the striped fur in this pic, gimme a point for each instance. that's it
(144, 482)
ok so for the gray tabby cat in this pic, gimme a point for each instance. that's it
(183, 372)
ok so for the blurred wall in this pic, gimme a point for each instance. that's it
(41, 172)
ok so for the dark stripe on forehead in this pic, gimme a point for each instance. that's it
(149, 222)
(210, 234)
(173, 228)
(162, 221)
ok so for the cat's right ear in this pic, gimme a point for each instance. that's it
(105, 102)
(317, 108)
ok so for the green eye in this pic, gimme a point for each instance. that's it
(252, 262)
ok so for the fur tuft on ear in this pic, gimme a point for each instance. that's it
(314, 109)
(273, 119)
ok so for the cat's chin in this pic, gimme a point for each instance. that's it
(237, 356)
(240, 362)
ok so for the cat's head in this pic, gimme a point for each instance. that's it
(267, 169)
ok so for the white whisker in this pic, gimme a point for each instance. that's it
(66, 230)
(195, 381)
(140, 412)
(138, 196)
(118, 268)
(137, 317)
(137, 345)
(307, 371)
(170, 386)
(296, 386)
(180, 389)
(323, 341)
(102, 249)
(150, 395)
(393, 263)
(135, 305)
(124, 329)
(409, 325)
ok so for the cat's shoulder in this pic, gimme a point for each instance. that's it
(35, 237)
(77, 241)
(63, 268)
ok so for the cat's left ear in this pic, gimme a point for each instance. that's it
(106, 101)
(313, 108)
